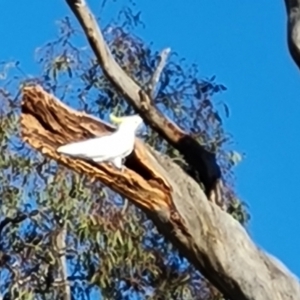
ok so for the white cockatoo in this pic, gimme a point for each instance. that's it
(113, 147)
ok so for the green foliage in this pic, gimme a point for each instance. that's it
(59, 229)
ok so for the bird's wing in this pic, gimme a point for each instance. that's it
(101, 148)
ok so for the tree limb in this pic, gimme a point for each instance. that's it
(201, 160)
(216, 244)
(20, 217)
(59, 242)
(293, 29)
(156, 75)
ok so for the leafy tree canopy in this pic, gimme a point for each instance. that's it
(64, 236)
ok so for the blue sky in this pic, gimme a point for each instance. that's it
(243, 43)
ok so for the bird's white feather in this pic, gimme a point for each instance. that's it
(98, 147)
(112, 147)
(117, 162)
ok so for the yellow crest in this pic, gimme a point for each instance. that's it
(115, 119)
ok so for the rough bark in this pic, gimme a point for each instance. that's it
(204, 162)
(293, 29)
(212, 240)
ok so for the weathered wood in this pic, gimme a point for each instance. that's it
(47, 124)
(212, 240)
(201, 160)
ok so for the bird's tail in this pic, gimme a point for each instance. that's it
(70, 149)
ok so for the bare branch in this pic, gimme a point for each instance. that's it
(156, 75)
(293, 29)
(216, 244)
(152, 191)
(196, 155)
(20, 217)
(60, 243)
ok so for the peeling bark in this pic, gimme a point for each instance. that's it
(201, 160)
(47, 124)
(212, 240)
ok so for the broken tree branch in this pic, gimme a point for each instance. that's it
(293, 29)
(201, 160)
(216, 244)
(156, 75)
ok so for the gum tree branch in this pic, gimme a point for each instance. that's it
(293, 29)
(156, 75)
(203, 161)
(20, 217)
(216, 244)
(60, 245)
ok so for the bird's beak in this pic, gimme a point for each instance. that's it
(115, 119)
